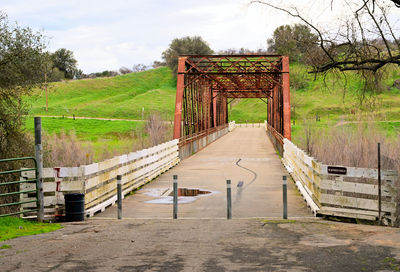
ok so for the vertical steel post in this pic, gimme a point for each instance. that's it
(180, 86)
(39, 160)
(287, 129)
(226, 111)
(228, 200)
(214, 103)
(284, 190)
(275, 108)
(379, 183)
(175, 208)
(119, 195)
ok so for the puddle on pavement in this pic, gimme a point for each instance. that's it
(190, 192)
(185, 195)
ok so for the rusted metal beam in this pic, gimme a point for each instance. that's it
(287, 130)
(214, 103)
(276, 108)
(179, 96)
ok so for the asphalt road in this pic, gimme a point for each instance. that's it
(206, 245)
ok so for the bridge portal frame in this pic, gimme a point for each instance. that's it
(205, 82)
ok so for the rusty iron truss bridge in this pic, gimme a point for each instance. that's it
(206, 83)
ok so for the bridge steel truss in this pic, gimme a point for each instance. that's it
(205, 83)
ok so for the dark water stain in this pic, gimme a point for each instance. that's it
(212, 265)
(70, 264)
(346, 259)
(174, 265)
(282, 251)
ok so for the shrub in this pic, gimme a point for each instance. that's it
(65, 150)
(351, 145)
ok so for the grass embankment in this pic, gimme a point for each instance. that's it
(88, 129)
(117, 97)
(12, 227)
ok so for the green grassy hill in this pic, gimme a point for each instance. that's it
(117, 97)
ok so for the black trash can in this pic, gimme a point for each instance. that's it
(74, 207)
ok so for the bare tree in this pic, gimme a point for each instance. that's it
(242, 51)
(366, 41)
(124, 70)
(157, 129)
(139, 68)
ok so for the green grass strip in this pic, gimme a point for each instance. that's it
(12, 227)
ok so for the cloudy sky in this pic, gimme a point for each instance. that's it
(105, 35)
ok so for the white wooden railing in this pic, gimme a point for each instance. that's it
(98, 180)
(340, 190)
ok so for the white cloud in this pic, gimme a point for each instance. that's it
(106, 35)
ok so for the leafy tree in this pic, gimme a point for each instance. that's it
(157, 64)
(105, 73)
(79, 74)
(294, 41)
(64, 60)
(185, 46)
(22, 67)
(51, 73)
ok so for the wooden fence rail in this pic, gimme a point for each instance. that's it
(98, 180)
(341, 190)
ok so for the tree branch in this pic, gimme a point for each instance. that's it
(352, 53)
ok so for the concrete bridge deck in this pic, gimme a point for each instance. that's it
(226, 158)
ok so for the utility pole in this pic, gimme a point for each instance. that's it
(45, 87)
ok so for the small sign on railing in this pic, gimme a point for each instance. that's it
(336, 170)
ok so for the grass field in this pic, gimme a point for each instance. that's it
(88, 129)
(12, 227)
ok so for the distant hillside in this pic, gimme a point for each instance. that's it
(117, 97)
